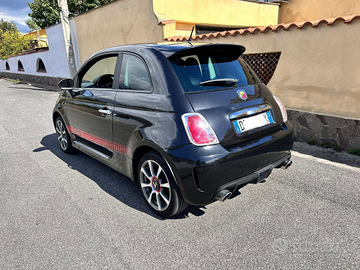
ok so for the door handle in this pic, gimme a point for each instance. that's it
(105, 111)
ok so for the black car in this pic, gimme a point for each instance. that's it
(189, 123)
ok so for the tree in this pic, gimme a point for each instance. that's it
(11, 40)
(32, 24)
(6, 26)
(12, 43)
(46, 12)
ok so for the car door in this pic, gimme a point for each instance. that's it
(89, 110)
(129, 114)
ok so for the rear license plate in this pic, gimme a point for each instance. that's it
(252, 122)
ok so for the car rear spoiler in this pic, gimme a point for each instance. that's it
(233, 49)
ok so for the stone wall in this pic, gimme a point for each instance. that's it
(41, 81)
(325, 130)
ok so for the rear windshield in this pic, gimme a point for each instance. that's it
(212, 71)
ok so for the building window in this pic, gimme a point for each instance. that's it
(7, 66)
(20, 66)
(40, 66)
(264, 64)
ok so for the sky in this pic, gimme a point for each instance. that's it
(16, 11)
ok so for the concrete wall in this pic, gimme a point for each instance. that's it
(54, 59)
(117, 23)
(318, 70)
(220, 13)
(307, 10)
(73, 37)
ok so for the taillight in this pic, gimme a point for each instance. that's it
(282, 108)
(198, 129)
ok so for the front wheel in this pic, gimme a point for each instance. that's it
(63, 136)
(158, 186)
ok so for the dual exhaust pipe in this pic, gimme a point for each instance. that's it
(226, 194)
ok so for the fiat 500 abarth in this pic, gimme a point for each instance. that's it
(190, 123)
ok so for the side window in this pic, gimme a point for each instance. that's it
(100, 74)
(134, 74)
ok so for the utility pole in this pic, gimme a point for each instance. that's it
(64, 16)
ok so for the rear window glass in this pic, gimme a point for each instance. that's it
(206, 72)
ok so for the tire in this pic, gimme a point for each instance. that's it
(63, 137)
(158, 186)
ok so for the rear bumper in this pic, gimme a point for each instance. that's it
(255, 177)
(201, 172)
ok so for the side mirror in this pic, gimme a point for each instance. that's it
(66, 83)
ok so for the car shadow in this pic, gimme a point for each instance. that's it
(112, 182)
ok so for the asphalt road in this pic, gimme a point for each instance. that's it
(61, 211)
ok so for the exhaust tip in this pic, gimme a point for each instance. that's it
(286, 164)
(223, 195)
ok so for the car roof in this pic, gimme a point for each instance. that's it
(171, 49)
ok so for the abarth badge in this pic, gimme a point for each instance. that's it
(242, 94)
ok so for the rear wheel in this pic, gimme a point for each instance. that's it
(158, 186)
(63, 136)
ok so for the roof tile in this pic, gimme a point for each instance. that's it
(273, 28)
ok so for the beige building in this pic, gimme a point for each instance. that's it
(148, 21)
(308, 10)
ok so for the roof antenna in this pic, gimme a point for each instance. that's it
(189, 40)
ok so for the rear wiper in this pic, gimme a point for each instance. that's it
(226, 82)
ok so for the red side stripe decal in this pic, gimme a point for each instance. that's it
(119, 148)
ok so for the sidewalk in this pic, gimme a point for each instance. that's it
(327, 153)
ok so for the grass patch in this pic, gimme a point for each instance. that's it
(13, 80)
(354, 152)
(336, 147)
(312, 141)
